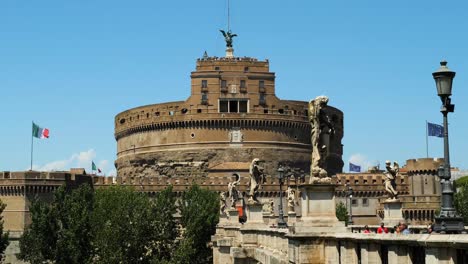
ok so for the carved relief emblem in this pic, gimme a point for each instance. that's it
(235, 135)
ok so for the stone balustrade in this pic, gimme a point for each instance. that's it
(318, 237)
(245, 244)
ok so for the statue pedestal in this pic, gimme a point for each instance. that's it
(229, 52)
(392, 213)
(291, 217)
(318, 210)
(254, 212)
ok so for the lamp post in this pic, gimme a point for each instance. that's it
(350, 195)
(281, 222)
(447, 221)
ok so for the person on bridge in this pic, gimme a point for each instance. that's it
(382, 229)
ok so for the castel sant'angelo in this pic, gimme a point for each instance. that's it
(231, 117)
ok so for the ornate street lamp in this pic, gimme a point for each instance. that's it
(448, 221)
(281, 222)
(350, 195)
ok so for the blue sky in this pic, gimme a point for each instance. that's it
(73, 65)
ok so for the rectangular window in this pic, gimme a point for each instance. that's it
(354, 202)
(233, 106)
(223, 84)
(365, 202)
(204, 84)
(262, 99)
(261, 84)
(223, 106)
(242, 106)
(242, 84)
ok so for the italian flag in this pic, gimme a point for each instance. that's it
(39, 132)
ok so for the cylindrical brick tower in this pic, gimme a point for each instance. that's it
(231, 117)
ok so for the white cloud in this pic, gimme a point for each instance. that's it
(77, 160)
(363, 161)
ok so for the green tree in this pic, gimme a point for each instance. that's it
(163, 221)
(3, 236)
(60, 230)
(199, 209)
(461, 181)
(342, 212)
(461, 201)
(122, 226)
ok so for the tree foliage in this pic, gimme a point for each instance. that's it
(342, 212)
(461, 201)
(461, 181)
(59, 231)
(199, 209)
(121, 225)
(3, 236)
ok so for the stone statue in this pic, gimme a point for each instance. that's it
(222, 203)
(233, 193)
(291, 199)
(269, 208)
(228, 37)
(257, 178)
(390, 180)
(322, 128)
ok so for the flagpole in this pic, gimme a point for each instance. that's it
(427, 142)
(32, 148)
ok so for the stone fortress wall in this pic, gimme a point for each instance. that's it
(18, 189)
(231, 115)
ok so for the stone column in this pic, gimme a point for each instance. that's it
(398, 254)
(370, 253)
(332, 254)
(441, 255)
(348, 253)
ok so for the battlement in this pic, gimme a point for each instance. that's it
(367, 184)
(8, 177)
(423, 165)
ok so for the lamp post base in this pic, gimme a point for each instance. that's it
(449, 225)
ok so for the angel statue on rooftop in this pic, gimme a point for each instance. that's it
(228, 37)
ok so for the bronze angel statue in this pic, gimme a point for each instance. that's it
(228, 37)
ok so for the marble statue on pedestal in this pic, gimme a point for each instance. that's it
(233, 192)
(390, 180)
(257, 178)
(222, 203)
(269, 207)
(321, 130)
(291, 199)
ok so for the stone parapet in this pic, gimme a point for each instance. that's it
(423, 165)
(262, 245)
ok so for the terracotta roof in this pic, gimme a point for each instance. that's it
(230, 166)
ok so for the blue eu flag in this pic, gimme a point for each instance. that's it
(354, 167)
(435, 130)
